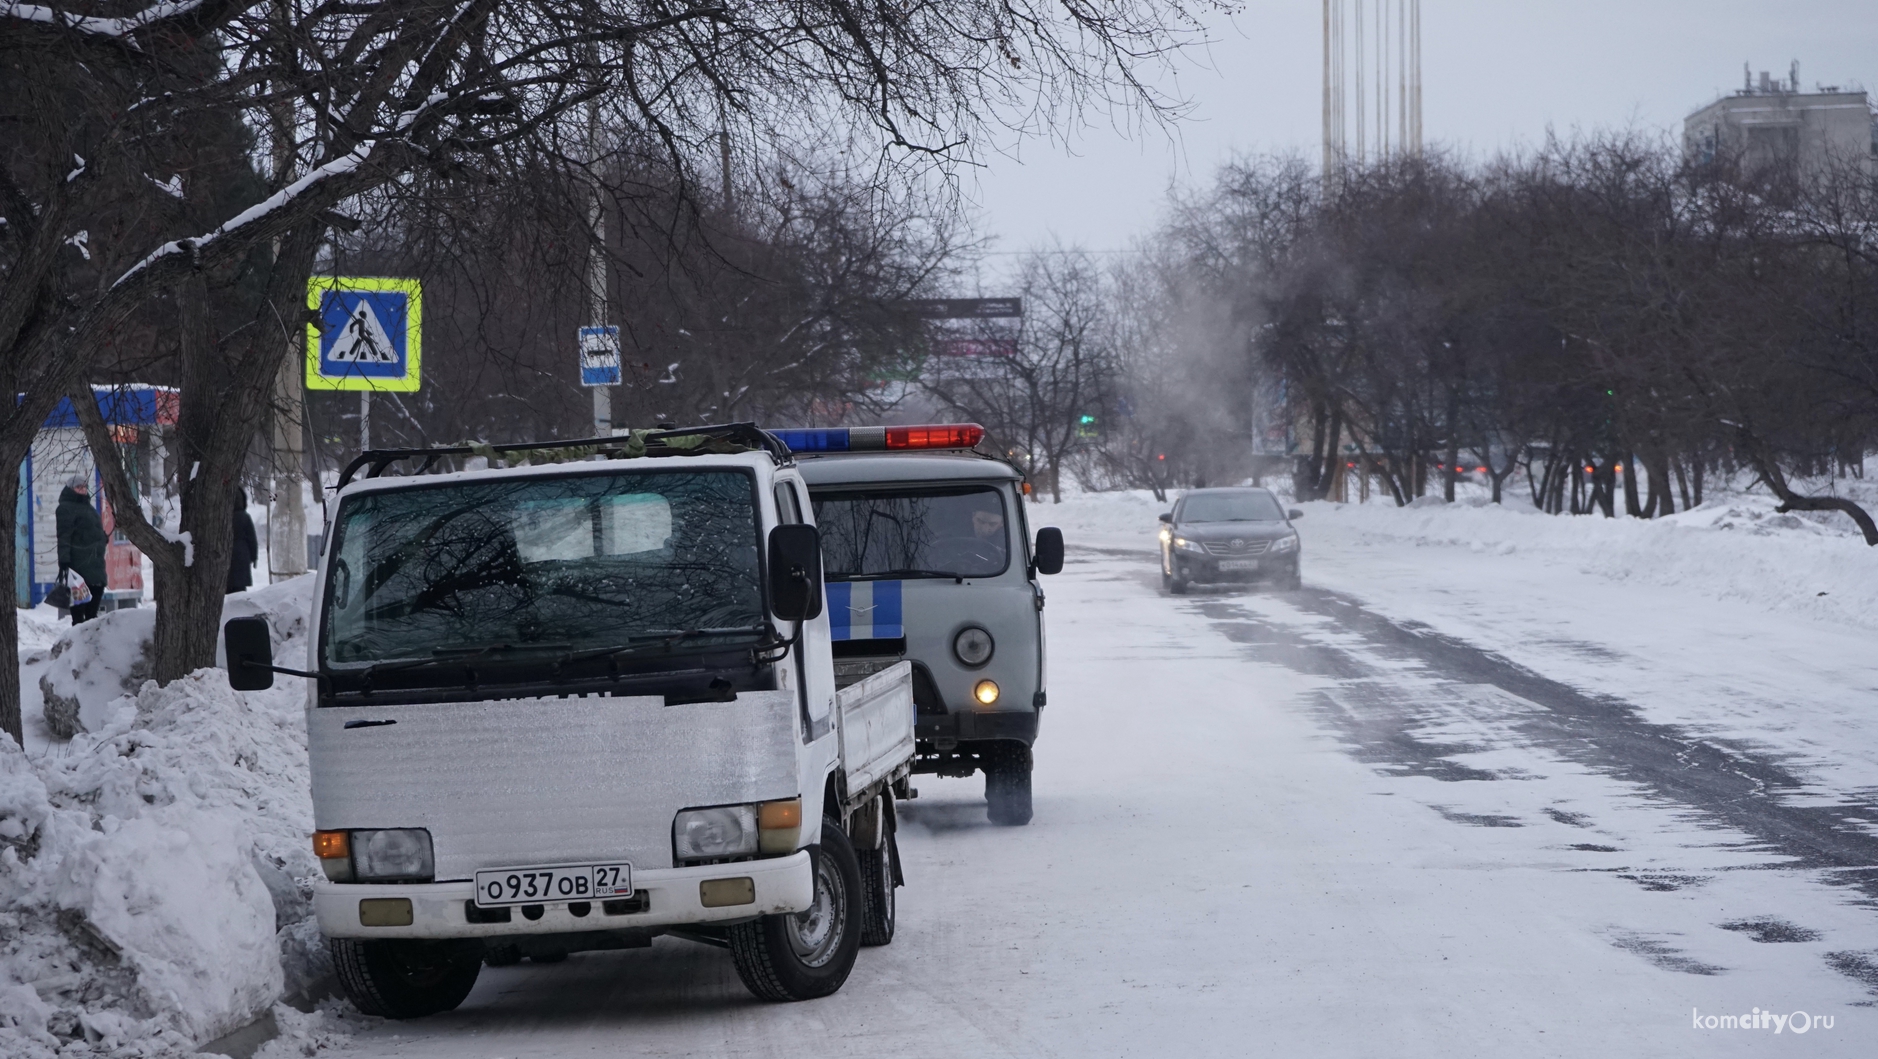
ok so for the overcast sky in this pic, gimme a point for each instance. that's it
(1495, 74)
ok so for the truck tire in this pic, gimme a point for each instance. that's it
(877, 883)
(406, 979)
(1007, 784)
(805, 955)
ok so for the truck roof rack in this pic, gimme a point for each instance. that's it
(721, 438)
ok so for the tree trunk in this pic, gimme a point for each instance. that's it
(1451, 472)
(1632, 506)
(1770, 472)
(1700, 463)
(10, 721)
(1604, 487)
(1682, 484)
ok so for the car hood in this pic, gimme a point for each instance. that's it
(1231, 531)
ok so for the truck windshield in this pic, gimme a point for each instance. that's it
(564, 564)
(1231, 507)
(880, 534)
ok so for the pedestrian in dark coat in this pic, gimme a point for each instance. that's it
(246, 549)
(81, 543)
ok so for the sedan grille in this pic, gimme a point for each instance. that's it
(1237, 547)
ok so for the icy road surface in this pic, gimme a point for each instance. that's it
(1282, 825)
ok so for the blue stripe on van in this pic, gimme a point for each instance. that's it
(887, 619)
(840, 612)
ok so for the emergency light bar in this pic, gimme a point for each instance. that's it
(882, 439)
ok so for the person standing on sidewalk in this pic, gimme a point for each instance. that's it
(81, 543)
(246, 548)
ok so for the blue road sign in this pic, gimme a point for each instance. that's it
(599, 356)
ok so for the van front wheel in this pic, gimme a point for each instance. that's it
(807, 954)
(406, 979)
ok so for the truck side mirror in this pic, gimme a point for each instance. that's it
(1294, 513)
(1167, 516)
(1049, 550)
(795, 572)
(249, 647)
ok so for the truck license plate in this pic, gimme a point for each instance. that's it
(533, 886)
(1238, 564)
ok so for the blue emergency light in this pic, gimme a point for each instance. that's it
(882, 439)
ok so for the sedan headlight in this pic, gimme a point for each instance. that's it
(1186, 545)
(1285, 544)
(393, 855)
(973, 646)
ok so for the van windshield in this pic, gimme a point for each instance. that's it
(905, 533)
(562, 564)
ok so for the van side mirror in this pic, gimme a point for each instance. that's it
(250, 650)
(1167, 516)
(1294, 513)
(1049, 550)
(795, 572)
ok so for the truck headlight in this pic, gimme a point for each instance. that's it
(737, 830)
(726, 831)
(973, 646)
(1186, 545)
(1285, 544)
(393, 855)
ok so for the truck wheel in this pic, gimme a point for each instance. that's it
(877, 905)
(1007, 785)
(808, 954)
(406, 979)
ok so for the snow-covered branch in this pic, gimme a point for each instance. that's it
(284, 198)
(118, 28)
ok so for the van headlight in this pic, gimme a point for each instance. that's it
(973, 646)
(1285, 544)
(393, 855)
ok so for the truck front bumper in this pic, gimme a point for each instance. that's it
(663, 897)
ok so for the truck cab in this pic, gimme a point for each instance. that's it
(930, 560)
(583, 700)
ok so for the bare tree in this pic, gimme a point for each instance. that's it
(348, 98)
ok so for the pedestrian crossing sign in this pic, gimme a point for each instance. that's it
(365, 334)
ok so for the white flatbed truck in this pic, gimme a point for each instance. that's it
(577, 705)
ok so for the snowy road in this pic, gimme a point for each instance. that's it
(1283, 825)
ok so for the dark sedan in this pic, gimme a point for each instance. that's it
(1229, 535)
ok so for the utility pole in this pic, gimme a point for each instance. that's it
(286, 521)
(596, 263)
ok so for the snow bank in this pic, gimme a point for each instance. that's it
(90, 666)
(155, 876)
(1733, 548)
(1736, 548)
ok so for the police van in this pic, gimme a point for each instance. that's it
(929, 558)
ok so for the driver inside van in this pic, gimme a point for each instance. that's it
(988, 524)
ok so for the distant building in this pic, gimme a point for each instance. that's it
(1773, 123)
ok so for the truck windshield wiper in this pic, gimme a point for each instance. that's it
(662, 641)
(903, 575)
(447, 655)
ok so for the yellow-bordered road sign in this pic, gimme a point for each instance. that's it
(367, 335)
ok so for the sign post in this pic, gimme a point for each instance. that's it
(367, 336)
(599, 369)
